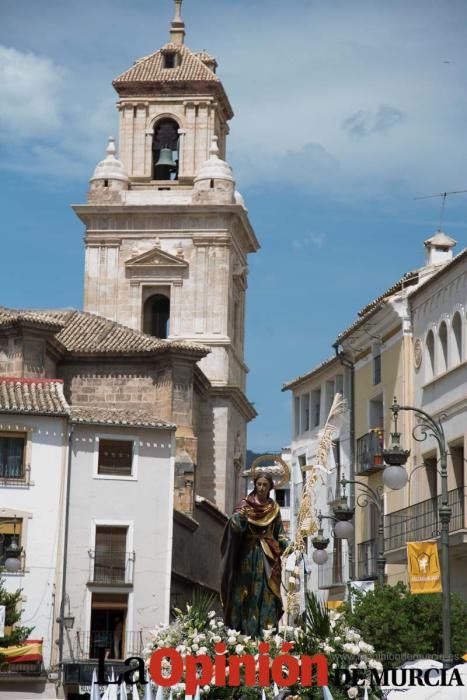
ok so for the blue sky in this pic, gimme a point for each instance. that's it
(345, 112)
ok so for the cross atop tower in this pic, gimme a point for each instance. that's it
(177, 28)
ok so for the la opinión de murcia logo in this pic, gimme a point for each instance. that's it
(246, 670)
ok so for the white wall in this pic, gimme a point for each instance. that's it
(39, 505)
(144, 504)
(444, 391)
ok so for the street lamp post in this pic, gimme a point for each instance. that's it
(395, 476)
(374, 496)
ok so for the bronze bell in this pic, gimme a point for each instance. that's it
(165, 165)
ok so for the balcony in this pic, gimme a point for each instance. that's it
(82, 646)
(421, 521)
(30, 669)
(14, 473)
(366, 560)
(370, 452)
(115, 568)
(330, 573)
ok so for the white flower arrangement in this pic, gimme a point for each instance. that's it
(183, 636)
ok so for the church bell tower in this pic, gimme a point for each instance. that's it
(168, 235)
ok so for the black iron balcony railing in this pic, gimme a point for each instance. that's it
(31, 668)
(77, 672)
(14, 473)
(366, 560)
(330, 573)
(115, 568)
(370, 452)
(81, 646)
(421, 521)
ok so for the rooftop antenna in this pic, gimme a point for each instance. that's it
(443, 203)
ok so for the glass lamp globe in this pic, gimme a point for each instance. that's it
(320, 556)
(343, 529)
(12, 564)
(395, 478)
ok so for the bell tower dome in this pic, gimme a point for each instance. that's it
(171, 105)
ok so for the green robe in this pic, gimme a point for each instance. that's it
(252, 573)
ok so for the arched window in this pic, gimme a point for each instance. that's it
(443, 341)
(165, 150)
(457, 333)
(156, 316)
(430, 349)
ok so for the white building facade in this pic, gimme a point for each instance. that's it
(440, 388)
(120, 535)
(312, 397)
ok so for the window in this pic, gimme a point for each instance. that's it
(305, 412)
(165, 150)
(296, 415)
(283, 498)
(169, 60)
(315, 406)
(12, 450)
(110, 556)
(115, 457)
(376, 356)
(10, 532)
(330, 392)
(431, 472)
(443, 341)
(156, 316)
(430, 347)
(377, 369)
(457, 333)
(336, 449)
(340, 384)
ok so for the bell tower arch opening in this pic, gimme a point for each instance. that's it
(165, 145)
(156, 315)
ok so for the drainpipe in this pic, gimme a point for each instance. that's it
(348, 364)
(65, 556)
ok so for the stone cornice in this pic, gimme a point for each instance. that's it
(203, 504)
(238, 398)
(85, 211)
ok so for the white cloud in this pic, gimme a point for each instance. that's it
(349, 100)
(310, 240)
(31, 85)
(47, 128)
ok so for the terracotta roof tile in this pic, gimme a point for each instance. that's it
(45, 318)
(33, 396)
(110, 415)
(308, 375)
(84, 333)
(407, 280)
(191, 66)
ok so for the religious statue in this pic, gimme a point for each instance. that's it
(252, 545)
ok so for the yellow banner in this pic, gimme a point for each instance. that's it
(424, 569)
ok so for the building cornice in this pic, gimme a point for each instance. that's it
(238, 398)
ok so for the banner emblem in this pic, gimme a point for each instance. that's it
(424, 569)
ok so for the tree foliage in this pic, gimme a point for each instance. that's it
(12, 602)
(402, 626)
